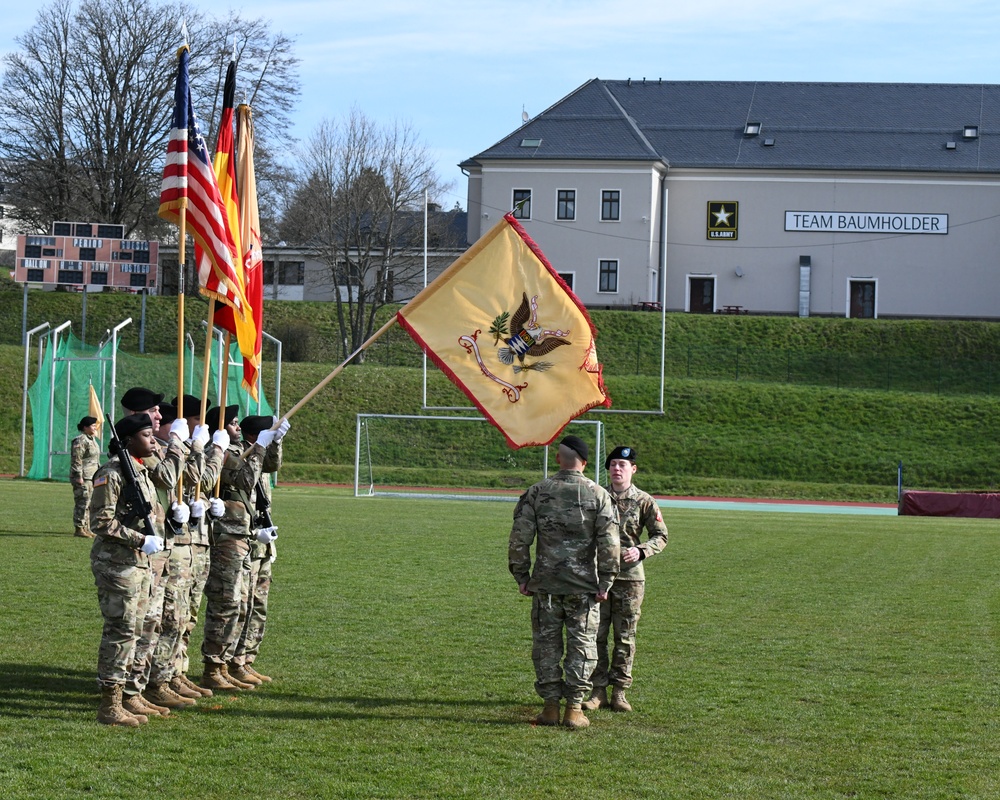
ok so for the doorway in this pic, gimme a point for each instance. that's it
(701, 295)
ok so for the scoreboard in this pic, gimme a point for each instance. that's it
(84, 254)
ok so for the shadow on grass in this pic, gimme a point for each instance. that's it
(40, 690)
(47, 535)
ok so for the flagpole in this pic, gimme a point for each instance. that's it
(222, 398)
(181, 258)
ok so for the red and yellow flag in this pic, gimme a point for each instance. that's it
(224, 164)
(506, 329)
(96, 411)
(253, 269)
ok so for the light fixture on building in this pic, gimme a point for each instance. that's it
(486, 215)
(751, 129)
(739, 272)
(970, 132)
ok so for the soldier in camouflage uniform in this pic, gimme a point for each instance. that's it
(164, 467)
(636, 511)
(230, 552)
(167, 686)
(262, 555)
(576, 560)
(119, 560)
(84, 459)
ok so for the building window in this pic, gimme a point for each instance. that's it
(32, 251)
(71, 276)
(522, 204)
(567, 279)
(609, 275)
(36, 275)
(290, 273)
(566, 204)
(136, 281)
(88, 254)
(99, 278)
(610, 205)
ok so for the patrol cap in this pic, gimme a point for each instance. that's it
(625, 453)
(84, 422)
(168, 413)
(132, 424)
(212, 417)
(576, 444)
(189, 407)
(139, 399)
(252, 425)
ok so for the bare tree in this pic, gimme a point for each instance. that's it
(86, 102)
(357, 209)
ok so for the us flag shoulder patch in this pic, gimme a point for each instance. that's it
(100, 481)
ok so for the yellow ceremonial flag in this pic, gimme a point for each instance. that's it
(509, 333)
(95, 411)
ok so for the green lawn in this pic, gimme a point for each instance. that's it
(780, 656)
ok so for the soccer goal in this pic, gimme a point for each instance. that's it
(460, 457)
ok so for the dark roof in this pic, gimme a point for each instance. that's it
(865, 126)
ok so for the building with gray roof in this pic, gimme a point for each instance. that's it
(841, 199)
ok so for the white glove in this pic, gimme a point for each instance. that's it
(274, 556)
(152, 544)
(264, 438)
(216, 507)
(220, 439)
(201, 435)
(282, 428)
(179, 428)
(180, 513)
(197, 509)
(267, 535)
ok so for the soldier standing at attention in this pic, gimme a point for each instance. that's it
(119, 560)
(636, 510)
(576, 560)
(84, 459)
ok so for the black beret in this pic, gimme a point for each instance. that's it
(576, 444)
(168, 413)
(132, 424)
(626, 453)
(83, 423)
(139, 399)
(252, 425)
(212, 417)
(191, 406)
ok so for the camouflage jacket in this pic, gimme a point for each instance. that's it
(113, 514)
(239, 479)
(84, 458)
(272, 461)
(210, 464)
(637, 510)
(576, 527)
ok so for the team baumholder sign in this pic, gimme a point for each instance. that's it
(865, 222)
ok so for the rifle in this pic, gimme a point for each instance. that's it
(263, 507)
(136, 497)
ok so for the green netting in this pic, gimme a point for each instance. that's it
(60, 395)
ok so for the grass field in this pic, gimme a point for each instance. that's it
(780, 656)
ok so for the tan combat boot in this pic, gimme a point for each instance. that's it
(574, 717)
(110, 711)
(132, 703)
(162, 695)
(214, 679)
(194, 687)
(598, 699)
(264, 678)
(83, 533)
(242, 674)
(618, 701)
(550, 713)
(234, 680)
(177, 686)
(151, 709)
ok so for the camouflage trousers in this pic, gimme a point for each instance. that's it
(557, 676)
(257, 614)
(200, 564)
(225, 593)
(249, 640)
(123, 595)
(620, 612)
(142, 662)
(81, 504)
(176, 596)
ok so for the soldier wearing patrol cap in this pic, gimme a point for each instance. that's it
(84, 459)
(119, 560)
(263, 534)
(636, 511)
(573, 524)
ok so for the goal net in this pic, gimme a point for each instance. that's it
(454, 457)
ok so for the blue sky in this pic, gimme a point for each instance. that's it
(461, 72)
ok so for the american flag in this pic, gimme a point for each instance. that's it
(189, 184)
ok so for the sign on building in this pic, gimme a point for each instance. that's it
(723, 219)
